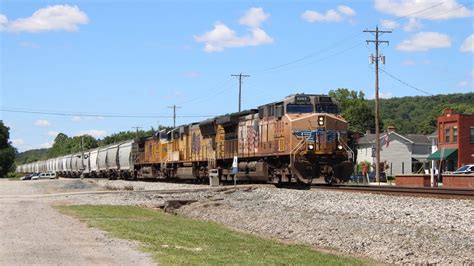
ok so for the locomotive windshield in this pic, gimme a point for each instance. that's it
(328, 108)
(299, 108)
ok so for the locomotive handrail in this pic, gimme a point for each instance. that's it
(297, 147)
(346, 147)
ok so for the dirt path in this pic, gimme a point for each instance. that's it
(32, 232)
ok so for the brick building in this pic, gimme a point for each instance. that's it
(455, 140)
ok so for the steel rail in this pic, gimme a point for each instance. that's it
(464, 192)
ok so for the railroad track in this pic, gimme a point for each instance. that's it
(412, 191)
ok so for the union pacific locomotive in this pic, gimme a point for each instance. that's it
(299, 139)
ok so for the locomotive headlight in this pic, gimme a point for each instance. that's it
(311, 147)
(339, 147)
(321, 120)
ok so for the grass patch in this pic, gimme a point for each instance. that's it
(174, 240)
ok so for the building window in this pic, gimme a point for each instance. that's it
(446, 135)
(472, 134)
(455, 135)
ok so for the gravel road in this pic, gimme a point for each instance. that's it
(33, 233)
(386, 229)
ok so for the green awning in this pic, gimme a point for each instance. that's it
(448, 154)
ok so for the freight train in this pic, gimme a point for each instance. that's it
(300, 139)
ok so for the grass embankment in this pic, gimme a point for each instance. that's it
(173, 239)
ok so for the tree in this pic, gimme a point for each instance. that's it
(7, 151)
(355, 109)
(65, 145)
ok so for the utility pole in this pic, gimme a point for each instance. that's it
(376, 58)
(240, 86)
(82, 154)
(136, 132)
(174, 114)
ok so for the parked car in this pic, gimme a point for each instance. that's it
(27, 177)
(466, 169)
(34, 176)
(47, 175)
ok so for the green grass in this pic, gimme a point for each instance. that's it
(172, 239)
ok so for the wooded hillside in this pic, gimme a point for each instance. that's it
(418, 114)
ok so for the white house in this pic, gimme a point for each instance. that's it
(403, 154)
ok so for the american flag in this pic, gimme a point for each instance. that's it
(252, 138)
(387, 140)
(195, 143)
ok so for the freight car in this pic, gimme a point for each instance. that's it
(299, 139)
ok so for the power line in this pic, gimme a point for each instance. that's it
(12, 110)
(312, 54)
(405, 83)
(320, 59)
(201, 96)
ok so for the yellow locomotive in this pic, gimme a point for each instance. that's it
(299, 139)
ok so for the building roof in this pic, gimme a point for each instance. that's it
(414, 138)
(418, 138)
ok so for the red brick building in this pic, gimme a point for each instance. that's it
(455, 140)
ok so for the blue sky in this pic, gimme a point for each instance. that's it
(139, 57)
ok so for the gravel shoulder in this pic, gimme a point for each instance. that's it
(33, 233)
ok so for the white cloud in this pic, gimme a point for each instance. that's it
(18, 142)
(254, 17)
(76, 119)
(46, 145)
(346, 11)
(51, 18)
(96, 133)
(412, 25)
(408, 62)
(389, 24)
(222, 37)
(26, 44)
(192, 74)
(42, 123)
(447, 9)
(52, 133)
(464, 84)
(468, 44)
(425, 41)
(331, 15)
(383, 95)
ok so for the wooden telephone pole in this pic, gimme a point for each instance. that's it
(376, 58)
(174, 114)
(240, 86)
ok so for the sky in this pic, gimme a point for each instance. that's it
(100, 67)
